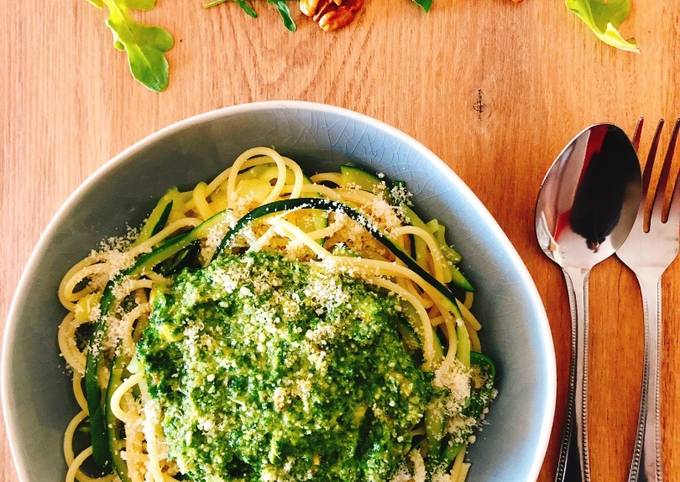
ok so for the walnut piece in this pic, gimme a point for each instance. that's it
(308, 7)
(331, 14)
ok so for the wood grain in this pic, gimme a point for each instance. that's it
(68, 104)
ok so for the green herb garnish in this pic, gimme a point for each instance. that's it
(424, 4)
(245, 5)
(145, 45)
(284, 11)
(604, 17)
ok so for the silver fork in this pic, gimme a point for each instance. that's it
(648, 251)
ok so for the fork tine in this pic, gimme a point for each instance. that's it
(638, 133)
(649, 165)
(658, 206)
(674, 207)
(665, 169)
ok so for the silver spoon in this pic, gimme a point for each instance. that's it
(585, 210)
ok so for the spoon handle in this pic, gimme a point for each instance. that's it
(646, 463)
(574, 463)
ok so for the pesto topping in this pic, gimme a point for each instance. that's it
(272, 369)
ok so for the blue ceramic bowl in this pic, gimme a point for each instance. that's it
(36, 393)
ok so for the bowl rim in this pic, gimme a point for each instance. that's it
(532, 295)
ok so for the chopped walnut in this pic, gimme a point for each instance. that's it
(331, 14)
(308, 7)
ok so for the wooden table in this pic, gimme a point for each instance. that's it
(493, 88)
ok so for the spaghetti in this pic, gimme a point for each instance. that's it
(109, 298)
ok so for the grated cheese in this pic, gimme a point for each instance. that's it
(453, 376)
(440, 475)
(419, 472)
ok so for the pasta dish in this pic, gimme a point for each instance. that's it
(269, 326)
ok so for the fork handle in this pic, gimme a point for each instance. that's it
(646, 464)
(574, 460)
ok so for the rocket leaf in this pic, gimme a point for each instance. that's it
(424, 4)
(604, 18)
(284, 11)
(145, 45)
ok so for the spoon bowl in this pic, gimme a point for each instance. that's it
(589, 198)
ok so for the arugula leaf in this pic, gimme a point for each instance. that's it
(145, 5)
(284, 11)
(145, 45)
(425, 4)
(244, 4)
(604, 17)
(247, 7)
(213, 3)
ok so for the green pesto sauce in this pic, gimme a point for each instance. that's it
(271, 369)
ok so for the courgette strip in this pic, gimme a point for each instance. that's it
(449, 453)
(458, 279)
(158, 217)
(96, 395)
(353, 175)
(327, 205)
(419, 245)
(464, 348)
(184, 258)
(482, 360)
(434, 430)
(438, 230)
(481, 397)
(112, 424)
(163, 220)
